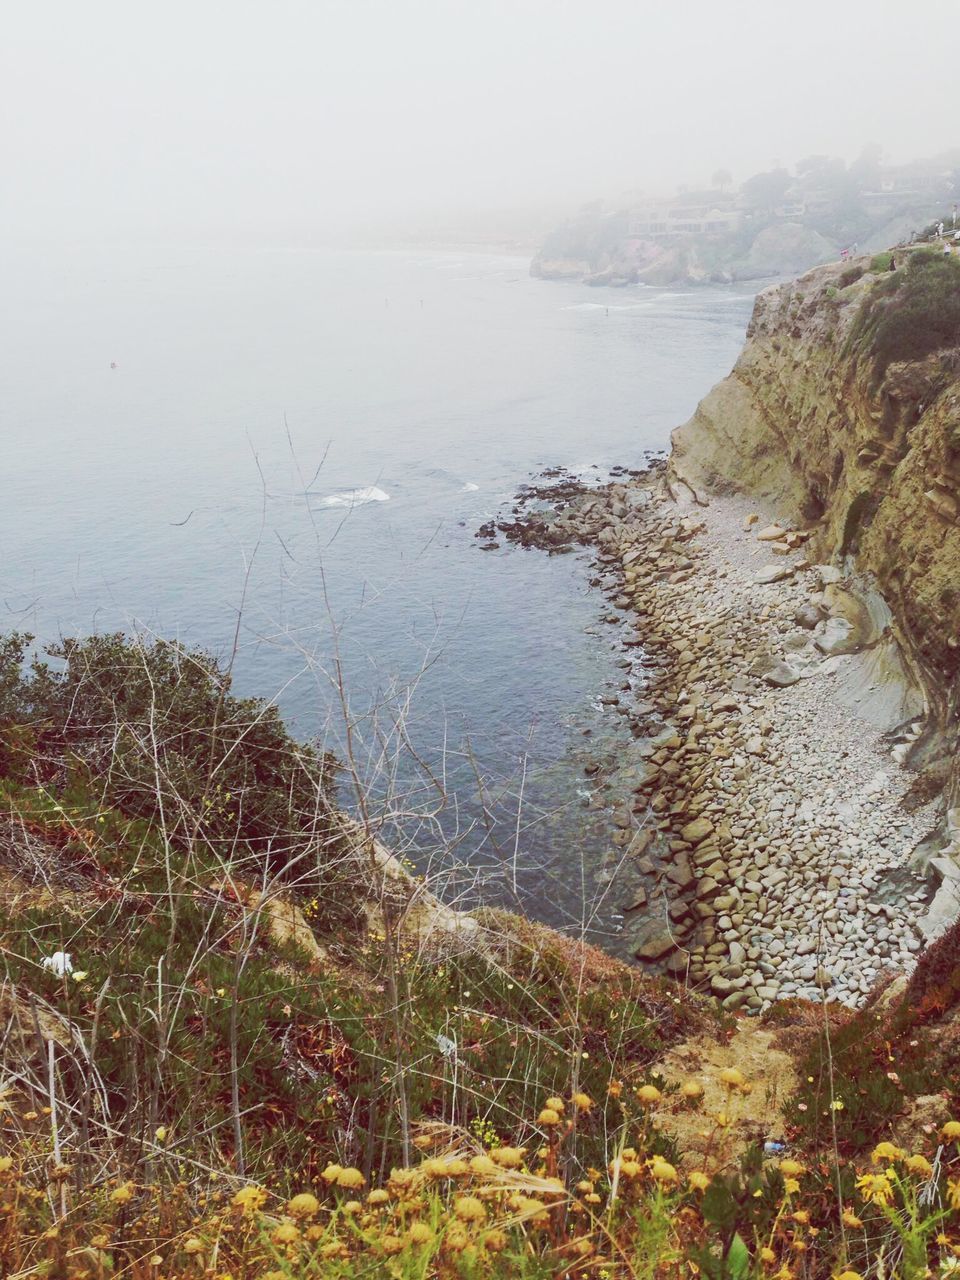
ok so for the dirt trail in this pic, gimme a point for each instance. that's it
(705, 1142)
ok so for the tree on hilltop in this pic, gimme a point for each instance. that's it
(764, 191)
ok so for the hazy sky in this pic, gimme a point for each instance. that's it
(276, 119)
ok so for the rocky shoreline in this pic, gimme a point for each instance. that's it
(767, 844)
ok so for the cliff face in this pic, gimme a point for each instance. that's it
(863, 449)
(782, 249)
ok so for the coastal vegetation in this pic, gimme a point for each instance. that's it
(241, 1039)
(910, 313)
(249, 1062)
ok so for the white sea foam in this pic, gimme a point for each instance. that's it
(645, 304)
(357, 497)
(469, 487)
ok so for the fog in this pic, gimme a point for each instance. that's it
(287, 121)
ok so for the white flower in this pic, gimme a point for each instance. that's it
(59, 963)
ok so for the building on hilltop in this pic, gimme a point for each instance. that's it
(690, 214)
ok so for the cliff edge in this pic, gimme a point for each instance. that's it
(844, 412)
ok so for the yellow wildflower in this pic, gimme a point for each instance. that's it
(555, 1104)
(648, 1095)
(849, 1275)
(419, 1233)
(792, 1168)
(6, 1164)
(663, 1172)
(951, 1131)
(531, 1208)
(885, 1151)
(626, 1168)
(850, 1219)
(286, 1233)
(482, 1165)
(790, 1185)
(592, 1198)
(249, 1199)
(691, 1091)
(377, 1197)
(331, 1173)
(919, 1165)
(698, 1180)
(731, 1078)
(123, 1193)
(457, 1237)
(352, 1206)
(350, 1179)
(875, 1187)
(953, 1193)
(161, 1134)
(548, 1117)
(508, 1157)
(767, 1255)
(303, 1205)
(495, 1241)
(469, 1209)
(582, 1101)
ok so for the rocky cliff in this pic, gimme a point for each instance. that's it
(861, 447)
(604, 253)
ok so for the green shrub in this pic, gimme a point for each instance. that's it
(153, 728)
(850, 276)
(911, 313)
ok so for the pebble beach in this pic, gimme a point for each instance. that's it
(766, 846)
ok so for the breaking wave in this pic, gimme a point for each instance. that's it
(357, 497)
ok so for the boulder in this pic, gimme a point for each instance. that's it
(772, 573)
(808, 616)
(835, 635)
(656, 944)
(697, 830)
(827, 573)
(774, 671)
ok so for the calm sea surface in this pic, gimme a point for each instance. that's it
(209, 469)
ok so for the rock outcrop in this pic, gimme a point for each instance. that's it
(867, 459)
(862, 451)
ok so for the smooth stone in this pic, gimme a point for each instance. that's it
(697, 830)
(654, 946)
(771, 573)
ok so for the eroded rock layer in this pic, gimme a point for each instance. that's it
(865, 455)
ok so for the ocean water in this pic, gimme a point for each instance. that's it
(295, 448)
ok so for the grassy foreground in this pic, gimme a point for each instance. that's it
(267, 1058)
